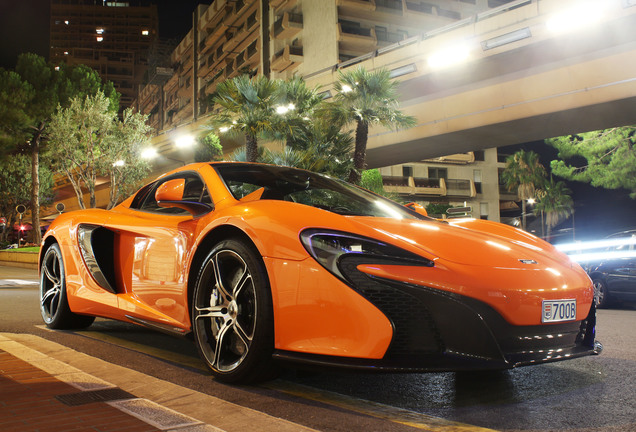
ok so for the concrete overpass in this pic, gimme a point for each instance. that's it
(522, 79)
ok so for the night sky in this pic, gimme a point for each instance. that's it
(24, 25)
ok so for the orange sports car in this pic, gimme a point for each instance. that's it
(264, 264)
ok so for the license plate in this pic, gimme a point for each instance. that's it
(559, 310)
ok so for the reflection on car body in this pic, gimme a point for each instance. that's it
(265, 265)
(615, 278)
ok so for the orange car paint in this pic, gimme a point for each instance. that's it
(155, 252)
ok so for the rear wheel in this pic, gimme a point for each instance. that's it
(53, 302)
(601, 296)
(232, 316)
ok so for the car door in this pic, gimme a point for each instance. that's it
(154, 245)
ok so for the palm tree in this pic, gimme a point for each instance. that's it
(248, 106)
(555, 203)
(366, 98)
(524, 173)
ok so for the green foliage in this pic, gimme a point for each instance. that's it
(43, 89)
(15, 95)
(247, 106)
(208, 148)
(605, 158)
(554, 201)
(122, 161)
(525, 174)
(366, 98)
(437, 208)
(372, 180)
(15, 185)
(87, 141)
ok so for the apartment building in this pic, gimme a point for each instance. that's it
(283, 38)
(112, 37)
(460, 180)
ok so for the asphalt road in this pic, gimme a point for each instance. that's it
(589, 394)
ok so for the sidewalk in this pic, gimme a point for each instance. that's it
(30, 401)
(47, 387)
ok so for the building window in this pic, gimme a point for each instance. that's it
(477, 180)
(407, 171)
(483, 210)
(145, 32)
(437, 173)
(480, 155)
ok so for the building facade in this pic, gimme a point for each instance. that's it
(112, 37)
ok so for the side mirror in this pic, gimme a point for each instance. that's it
(172, 190)
(417, 208)
(170, 194)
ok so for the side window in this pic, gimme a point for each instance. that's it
(194, 190)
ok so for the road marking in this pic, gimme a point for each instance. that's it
(374, 409)
(13, 282)
(170, 356)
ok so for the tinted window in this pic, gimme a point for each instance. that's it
(308, 188)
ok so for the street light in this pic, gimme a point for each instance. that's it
(184, 141)
(449, 56)
(580, 16)
(149, 153)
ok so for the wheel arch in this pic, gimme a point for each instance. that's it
(597, 275)
(45, 246)
(215, 235)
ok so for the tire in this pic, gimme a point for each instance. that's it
(53, 302)
(601, 296)
(232, 316)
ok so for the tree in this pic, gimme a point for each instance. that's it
(15, 187)
(367, 98)
(555, 203)
(121, 160)
(208, 148)
(44, 88)
(15, 95)
(87, 140)
(525, 174)
(605, 158)
(247, 106)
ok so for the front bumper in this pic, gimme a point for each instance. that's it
(440, 331)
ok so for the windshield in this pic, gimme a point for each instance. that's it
(252, 181)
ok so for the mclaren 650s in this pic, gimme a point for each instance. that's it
(262, 265)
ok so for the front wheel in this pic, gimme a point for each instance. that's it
(601, 296)
(232, 316)
(53, 302)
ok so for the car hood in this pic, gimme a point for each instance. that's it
(471, 242)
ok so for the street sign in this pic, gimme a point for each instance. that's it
(3, 221)
(20, 208)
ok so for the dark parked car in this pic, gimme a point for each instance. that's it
(615, 277)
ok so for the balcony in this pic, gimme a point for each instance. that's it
(357, 5)
(414, 185)
(390, 6)
(356, 38)
(287, 26)
(287, 59)
(214, 14)
(461, 188)
(282, 5)
(456, 159)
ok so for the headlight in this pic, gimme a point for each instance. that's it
(330, 248)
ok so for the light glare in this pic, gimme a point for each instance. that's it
(449, 56)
